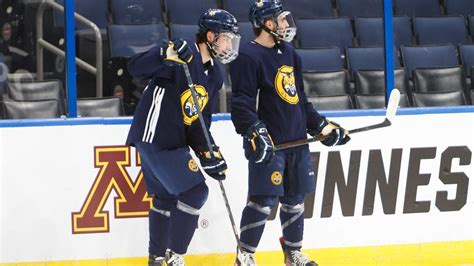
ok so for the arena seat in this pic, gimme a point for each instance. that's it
(38, 90)
(94, 10)
(471, 25)
(184, 31)
(246, 32)
(374, 101)
(360, 8)
(418, 8)
(100, 107)
(459, 7)
(187, 12)
(427, 99)
(127, 40)
(467, 58)
(373, 81)
(332, 102)
(320, 59)
(428, 57)
(132, 12)
(238, 8)
(439, 79)
(367, 58)
(308, 9)
(326, 83)
(325, 32)
(370, 32)
(30, 109)
(440, 30)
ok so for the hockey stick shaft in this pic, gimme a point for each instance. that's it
(209, 146)
(389, 115)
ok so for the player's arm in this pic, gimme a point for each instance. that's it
(158, 60)
(244, 76)
(144, 65)
(316, 124)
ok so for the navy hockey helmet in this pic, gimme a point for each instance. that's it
(262, 10)
(225, 46)
(218, 20)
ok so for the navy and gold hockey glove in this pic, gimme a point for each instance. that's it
(260, 142)
(216, 166)
(331, 133)
(178, 51)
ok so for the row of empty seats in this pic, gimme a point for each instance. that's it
(188, 12)
(46, 99)
(372, 101)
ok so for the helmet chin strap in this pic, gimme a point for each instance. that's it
(276, 37)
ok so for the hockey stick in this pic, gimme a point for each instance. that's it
(389, 115)
(209, 146)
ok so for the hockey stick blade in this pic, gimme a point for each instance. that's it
(392, 107)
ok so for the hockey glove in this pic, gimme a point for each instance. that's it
(215, 166)
(260, 142)
(331, 133)
(178, 51)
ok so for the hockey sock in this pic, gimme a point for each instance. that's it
(253, 221)
(292, 221)
(159, 225)
(185, 216)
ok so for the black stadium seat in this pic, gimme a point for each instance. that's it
(333, 102)
(417, 8)
(370, 31)
(360, 8)
(185, 31)
(325, 32)
(326, 83)
(320, 59)
(246, 31)
(238, 8)
(440, 30)
(30, 109)
(127, 40)
(426, 99)
(367, 58)
(439, 79)
(428, 57)
(373, 81)
(302, 9)
(459, 7)
(467, 58)
(187, 12)
(132, 12)
(374, 101)
(38, 90)
(100, 107)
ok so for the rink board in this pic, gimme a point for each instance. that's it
(73, 195)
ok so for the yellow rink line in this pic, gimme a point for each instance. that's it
(439, 253)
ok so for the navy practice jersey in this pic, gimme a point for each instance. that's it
(274, 76)
(166, 115)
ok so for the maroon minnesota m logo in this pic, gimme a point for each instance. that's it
(132, 199)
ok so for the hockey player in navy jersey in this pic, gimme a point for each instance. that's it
(269, 107)
(166, 124)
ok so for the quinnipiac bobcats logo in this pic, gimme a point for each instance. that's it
(188, 107)
(192, 165)
(276, 178)
(285, 84)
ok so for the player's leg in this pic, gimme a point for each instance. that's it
(184, 219)
(158, 218)
(298, 180)
(254, 218)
